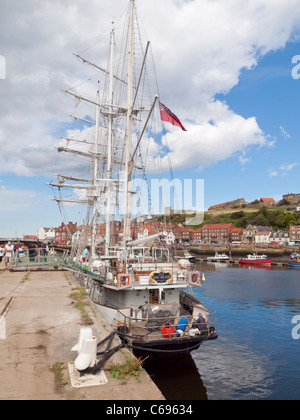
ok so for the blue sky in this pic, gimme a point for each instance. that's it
(224, 68)
(270, 93)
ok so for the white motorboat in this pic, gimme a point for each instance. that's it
(218, 257)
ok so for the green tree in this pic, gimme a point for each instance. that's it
(290, 219)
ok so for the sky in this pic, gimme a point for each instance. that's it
(229, 69)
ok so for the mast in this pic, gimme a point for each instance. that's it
(94, 183)
(109, 144)
(128, 140)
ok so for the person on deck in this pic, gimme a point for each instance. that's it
(181, 326)
(201, 323)
(85, 254)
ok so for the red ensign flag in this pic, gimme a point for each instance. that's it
(168, 116)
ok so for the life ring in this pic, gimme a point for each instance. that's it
(195, 278)
(167, 330)
(124, 280)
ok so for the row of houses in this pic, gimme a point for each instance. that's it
(209, 233)
(61, 235)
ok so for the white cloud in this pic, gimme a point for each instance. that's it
(204, 144)
(283, 170)
(287, 168)
(17, 200)
(273, 173)
(243, 159)
(285, 133)
(200, 48)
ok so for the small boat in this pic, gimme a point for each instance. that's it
(187, 256)
(218, 257)
(256, 259)
(294, 261)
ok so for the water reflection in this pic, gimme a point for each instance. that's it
(274, 305)
(177, 377)
(232, 370)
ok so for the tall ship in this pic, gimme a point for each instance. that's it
(140, 288)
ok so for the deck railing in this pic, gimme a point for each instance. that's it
(147, 329)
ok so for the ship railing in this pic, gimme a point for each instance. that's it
(146, 329)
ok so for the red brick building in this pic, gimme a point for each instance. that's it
(64, 233)
(196, 234)
(236, 235)
(217, 232)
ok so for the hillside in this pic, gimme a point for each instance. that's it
(279, 218)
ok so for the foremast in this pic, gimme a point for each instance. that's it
(102, 186)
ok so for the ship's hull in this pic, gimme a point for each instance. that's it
(294, 264)
(138, 334)
(216, 259)
(172, 347)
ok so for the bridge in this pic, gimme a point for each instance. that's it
(21, 240)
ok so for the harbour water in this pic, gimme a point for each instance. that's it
(255, 356)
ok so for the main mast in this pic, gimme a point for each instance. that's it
(128, 139)
(94, 183)
(109, 144)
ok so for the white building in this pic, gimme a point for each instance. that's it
(262, 237)
(170, 240)
(46, 234)
(281, 237)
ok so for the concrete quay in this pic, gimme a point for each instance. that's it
(42, 326)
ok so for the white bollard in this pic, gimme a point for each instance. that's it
(84, 333)
(88, 354)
